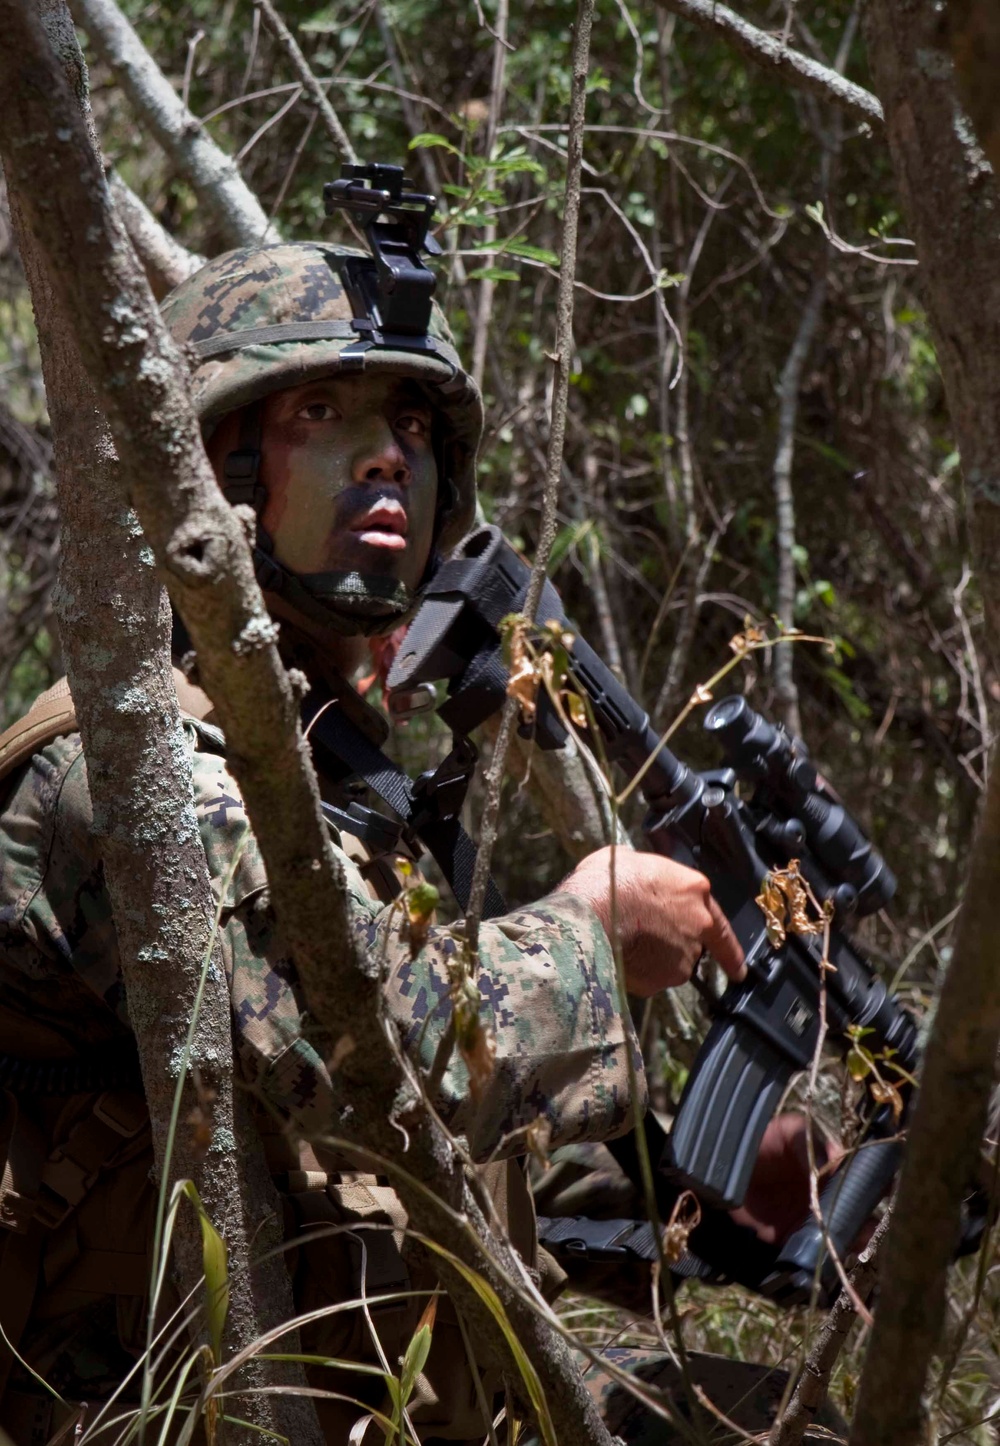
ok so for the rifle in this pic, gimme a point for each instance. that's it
(766, 1028)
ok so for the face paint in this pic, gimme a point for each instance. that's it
(348, 465)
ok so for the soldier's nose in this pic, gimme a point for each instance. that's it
(383, 460)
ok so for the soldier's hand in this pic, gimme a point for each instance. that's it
(665, 917)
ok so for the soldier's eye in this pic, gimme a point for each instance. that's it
(415, 425)
(317, 412)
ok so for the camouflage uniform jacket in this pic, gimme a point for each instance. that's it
(547, 982)
(547, 988)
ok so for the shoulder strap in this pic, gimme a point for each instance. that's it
(427, 809)
(53, 714)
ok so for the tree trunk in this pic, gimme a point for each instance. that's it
(973, 28)
(951, 202)
(114, 621)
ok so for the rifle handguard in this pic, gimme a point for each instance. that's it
(805, 1269)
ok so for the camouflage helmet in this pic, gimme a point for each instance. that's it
(263, 318)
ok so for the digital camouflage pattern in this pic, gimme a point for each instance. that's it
(547, 987)
(300, 283)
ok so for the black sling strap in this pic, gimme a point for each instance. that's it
(427, 809)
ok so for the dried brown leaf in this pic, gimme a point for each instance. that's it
(523, 685)
(685, 1217)
(884, 1093)
(537, 1138)
(751, 636)
(476, 1041)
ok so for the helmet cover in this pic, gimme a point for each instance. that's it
(260, 319)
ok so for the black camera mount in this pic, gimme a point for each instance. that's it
(393, 288)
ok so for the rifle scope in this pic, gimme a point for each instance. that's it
(787, 782)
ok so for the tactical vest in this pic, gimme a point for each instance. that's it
(77, 1205)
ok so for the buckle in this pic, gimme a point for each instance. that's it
(270, 575)
(63, 1186)
(131, 1115)
(16, 1211)
(407, 704)
(441, 793)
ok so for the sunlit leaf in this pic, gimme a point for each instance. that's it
(216, 1266)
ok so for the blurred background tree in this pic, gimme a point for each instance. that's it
(714, 202)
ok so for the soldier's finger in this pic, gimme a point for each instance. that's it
(723, 944)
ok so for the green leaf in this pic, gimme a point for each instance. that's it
(414, 1361)
(531, 253)
(216, 1267)
(493, 273)
(427, 139)
(494, 1305)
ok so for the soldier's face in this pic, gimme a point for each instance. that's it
(350, 473)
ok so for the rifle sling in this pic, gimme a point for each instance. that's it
(428, 809)
(606, 1240)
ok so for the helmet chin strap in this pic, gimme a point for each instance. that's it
(350, 604)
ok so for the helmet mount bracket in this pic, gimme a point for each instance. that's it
(391, 291)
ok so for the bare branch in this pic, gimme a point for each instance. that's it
(139, 778)
(290, 47)
(487, 288)
(814, 1382)
(562, 360)
(786, 694)
(697, 569)
(166, 261)
(769, 51)
(941, 1157)
(221, 190)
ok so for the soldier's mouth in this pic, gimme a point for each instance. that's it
(383, 525)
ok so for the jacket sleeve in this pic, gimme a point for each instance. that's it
(546, 985)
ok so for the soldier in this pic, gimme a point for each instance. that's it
(359, 465)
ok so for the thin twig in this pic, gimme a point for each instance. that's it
(814, 1382)
(562, 360)
(484, 310)
(293, 54)
(214, 177)
(167, 263)
(768, 51)
(786, 693)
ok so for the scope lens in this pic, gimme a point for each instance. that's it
(726, 712)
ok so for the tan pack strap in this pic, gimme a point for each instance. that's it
(53, 714)
(19, 1262)
(23, 1150)
(373, 1250)
(93, 1145)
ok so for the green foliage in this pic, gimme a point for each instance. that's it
(214, 1258)
(703, 196)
